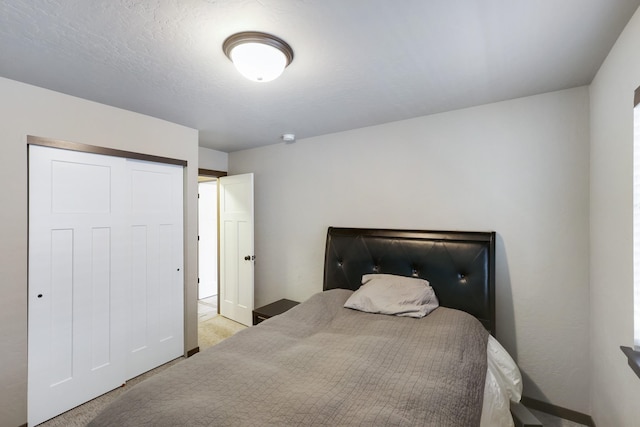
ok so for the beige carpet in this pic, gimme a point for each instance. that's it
(214, 330)
(83, 414)
(210, 332)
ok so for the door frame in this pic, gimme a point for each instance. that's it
(210, 173)
(86, 148)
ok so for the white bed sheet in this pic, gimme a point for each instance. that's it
(503, 384)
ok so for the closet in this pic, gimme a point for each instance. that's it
(106, 277)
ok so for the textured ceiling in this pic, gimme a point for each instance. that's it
(357, 62)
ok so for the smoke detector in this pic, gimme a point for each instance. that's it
(288, 138)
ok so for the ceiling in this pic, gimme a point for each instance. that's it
(357, 62)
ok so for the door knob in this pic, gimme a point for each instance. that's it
(247, 258)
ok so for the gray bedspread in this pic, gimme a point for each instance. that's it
(325, 365)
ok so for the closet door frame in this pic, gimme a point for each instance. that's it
(85, 148)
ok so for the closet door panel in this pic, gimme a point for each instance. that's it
(157, 286)
(61, 307)
(138, 297)
(76, 345)
(166, 292)
(101, 290)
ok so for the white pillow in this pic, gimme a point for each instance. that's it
(396, 295)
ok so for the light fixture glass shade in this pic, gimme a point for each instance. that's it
(260, 57)
(258, 62)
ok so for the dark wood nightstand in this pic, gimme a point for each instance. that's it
(273, 309)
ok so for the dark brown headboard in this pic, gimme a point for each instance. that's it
(459, 265)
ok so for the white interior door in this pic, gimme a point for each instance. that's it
(236, 247)
(156, 289)
(76, 271)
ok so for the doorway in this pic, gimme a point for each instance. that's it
(207, 247)
(208, 302)
(234, 256)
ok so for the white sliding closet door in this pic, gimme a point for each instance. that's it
(105, 274)
(76, 272)
(156, 290)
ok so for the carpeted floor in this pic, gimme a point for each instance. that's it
(214, 330)
(210, 332)
(81, 415)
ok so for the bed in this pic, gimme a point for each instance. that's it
(321, 363)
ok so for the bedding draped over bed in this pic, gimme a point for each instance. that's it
(322, 364)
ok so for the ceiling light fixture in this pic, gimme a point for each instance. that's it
(260, 57)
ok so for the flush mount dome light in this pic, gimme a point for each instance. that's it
(260, 57)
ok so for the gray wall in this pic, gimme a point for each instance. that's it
(614, 387)
(28, 110)
(520, 168)
(212, 159)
